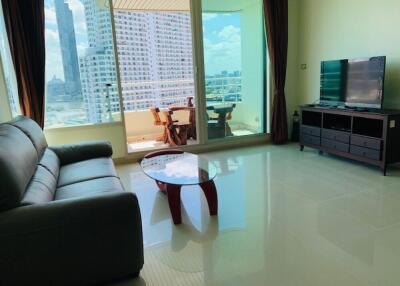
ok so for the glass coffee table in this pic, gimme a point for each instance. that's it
(172, 169)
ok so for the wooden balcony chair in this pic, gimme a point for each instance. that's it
(158, 122)
(177, 132)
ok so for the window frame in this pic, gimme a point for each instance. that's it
(204, 143)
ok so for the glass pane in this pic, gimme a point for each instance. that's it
(81, 81)
(156, 68)
(234, 55)
(8, 69)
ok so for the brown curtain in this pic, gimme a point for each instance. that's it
(24, 21)
(276, 25)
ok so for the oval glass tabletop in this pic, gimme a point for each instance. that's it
(179, 169)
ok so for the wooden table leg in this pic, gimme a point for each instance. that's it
(174, 201)
(183, 134)
(210, 191)
(162, 187)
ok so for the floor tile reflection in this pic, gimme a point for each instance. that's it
(285, 218)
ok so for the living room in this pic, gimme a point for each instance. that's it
(219, 195)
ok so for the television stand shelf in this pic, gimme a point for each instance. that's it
(371, 137)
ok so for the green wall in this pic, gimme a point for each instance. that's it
(334, 29)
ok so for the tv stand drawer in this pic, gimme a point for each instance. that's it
(335, 135)
(310, 130)
(366, 142)
(310, 140)
(365, 152)
(343, 147)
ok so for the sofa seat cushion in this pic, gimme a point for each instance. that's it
(85, 171)
(41, 188)
(89, 188)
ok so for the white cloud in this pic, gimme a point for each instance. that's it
(53, 55)
(208, 16)
(78, 11)
(50, 15)
(223, 53)
(52, 37)
(230, 33)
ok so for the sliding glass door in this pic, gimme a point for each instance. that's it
(234, 67)
(154, 42)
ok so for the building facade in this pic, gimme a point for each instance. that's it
(66, 34)
(155, 58)
(97, 66)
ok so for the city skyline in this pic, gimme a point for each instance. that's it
(155, 60)
(217, 36)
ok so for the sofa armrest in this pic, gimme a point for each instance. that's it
(72, 242)
(72, 153)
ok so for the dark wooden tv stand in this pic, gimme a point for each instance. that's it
(371, 137)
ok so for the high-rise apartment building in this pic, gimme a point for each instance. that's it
(97, 66)
(66, 33)
(155, 58)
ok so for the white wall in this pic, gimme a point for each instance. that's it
(348, 29)
(113, 132)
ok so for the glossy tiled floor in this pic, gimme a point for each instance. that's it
(286, 218)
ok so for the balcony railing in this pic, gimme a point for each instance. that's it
(142, 95)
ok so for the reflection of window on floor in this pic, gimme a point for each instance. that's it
(155, 58)
(80, 67)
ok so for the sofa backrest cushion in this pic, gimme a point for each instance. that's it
(18, 163)
(51, 162)
(41, 188)
(33, 131)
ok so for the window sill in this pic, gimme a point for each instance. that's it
(84, 126)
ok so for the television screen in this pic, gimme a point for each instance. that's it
(354, 83)
(365, 82)
(333, 82)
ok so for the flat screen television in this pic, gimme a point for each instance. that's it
(355, 83)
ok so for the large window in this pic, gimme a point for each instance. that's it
(81, 80)
(157, 73)
(234, 55)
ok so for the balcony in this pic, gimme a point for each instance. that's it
(222, 91)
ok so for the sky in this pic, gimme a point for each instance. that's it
(221, 32)
(222, 42)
